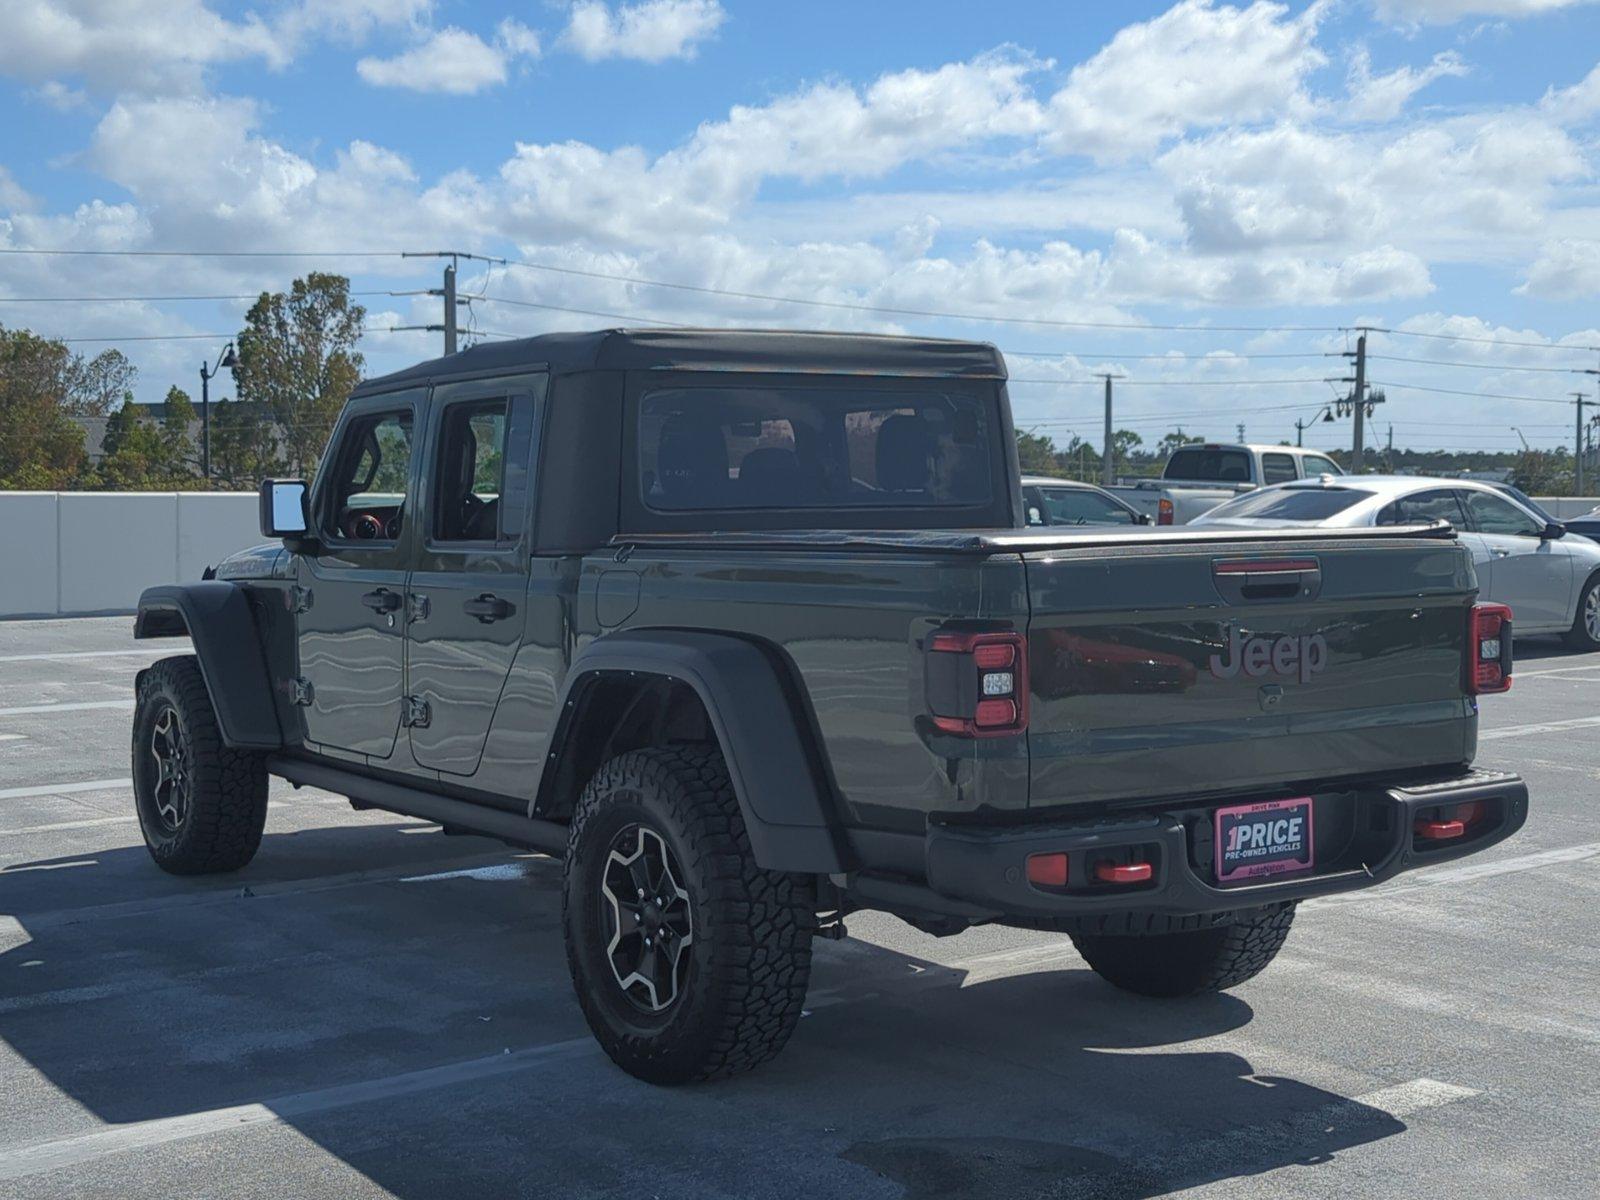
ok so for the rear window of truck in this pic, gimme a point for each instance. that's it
(1209, 466)
(1289, 504)
(789, 447)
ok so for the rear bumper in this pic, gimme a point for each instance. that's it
(977, 870)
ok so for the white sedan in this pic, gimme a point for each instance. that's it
(1550, 580)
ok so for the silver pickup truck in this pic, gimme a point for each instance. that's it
(1198, 478)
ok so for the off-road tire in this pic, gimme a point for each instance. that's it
(1582, 635)
(750, 955)
(226, 804)
(1170, 965)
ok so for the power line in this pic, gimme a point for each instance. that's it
(1484, 341)
(1445, 362)
(205, 253)
(1417, 387)
(913, 312)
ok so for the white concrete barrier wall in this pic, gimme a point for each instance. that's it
(73, 553)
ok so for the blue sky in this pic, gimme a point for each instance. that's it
(1426, 166)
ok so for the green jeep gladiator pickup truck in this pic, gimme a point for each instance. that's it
(749, 628)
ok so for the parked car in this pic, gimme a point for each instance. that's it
(1197, 478)
(744, 626)
(1050, 501)
(1550, 580)
(1587, 525)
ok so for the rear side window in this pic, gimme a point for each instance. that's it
(482, 470)
(1290, 504)
(1277, 468)
(1316, 464)
(757, 447)
(1215, 466)
(1075, 506)
(1423, 508)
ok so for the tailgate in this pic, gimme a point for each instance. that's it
(1222, 667)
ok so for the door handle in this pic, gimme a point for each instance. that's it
(382, 600)
(487, 608)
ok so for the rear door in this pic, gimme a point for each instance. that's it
(1531, 573)
(467, 601)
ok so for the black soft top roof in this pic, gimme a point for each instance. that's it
(787, 351)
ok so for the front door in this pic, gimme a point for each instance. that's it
(1531, 573)
(468, 594)
(351, 599)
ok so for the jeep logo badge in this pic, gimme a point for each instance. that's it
(1294, 657)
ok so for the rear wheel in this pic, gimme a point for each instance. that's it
(201, 805)
(1189, 963)
(690, 961)
(1585, 631)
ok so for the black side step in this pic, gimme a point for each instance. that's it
(546, 836)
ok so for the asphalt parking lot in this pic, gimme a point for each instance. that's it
(374, 1009)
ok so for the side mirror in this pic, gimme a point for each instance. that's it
(1034, 516)
(1142, 519)
(283, 508)
(1553, 531)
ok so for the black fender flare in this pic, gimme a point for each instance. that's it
(215, 615)
(766, 739)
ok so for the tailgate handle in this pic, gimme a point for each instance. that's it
(1258, 579)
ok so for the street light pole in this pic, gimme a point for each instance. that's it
(226, 359)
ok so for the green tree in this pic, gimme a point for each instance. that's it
(137, 454)
(1171, 441)
(42, 383)
(179, 454)
(1037, 454)
(244, 446)
(298, 361)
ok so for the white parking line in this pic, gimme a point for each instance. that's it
(1554, 671)
(65, 789)
(76, 706)
(1491, 735)
(153, 651)
(35, 1159)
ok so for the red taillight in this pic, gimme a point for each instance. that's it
(1047, 870)
(1164, 511)
(1110, 872)
(1488, 668)
(977, 683)
(1439, 831)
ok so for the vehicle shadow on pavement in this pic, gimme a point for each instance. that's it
(907, 1076)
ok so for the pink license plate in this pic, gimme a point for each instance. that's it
(1263, 839)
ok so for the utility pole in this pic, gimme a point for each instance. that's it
(1240, 428)
(1107, 466)
(447, 292)
(1299, 432)
(450, 308)
(1579, 399)
(1358, 403)
(1388, 455)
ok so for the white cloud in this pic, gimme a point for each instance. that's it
(59, 96)
(451, 60)
(1576, 104)
(1196, 66)
(651, 31)
(167, 45)
(1443, 12)
(1384, 97)
(13, 196)
(1568, 269)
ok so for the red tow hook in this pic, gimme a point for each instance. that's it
(1110, 872)
(1439, 831)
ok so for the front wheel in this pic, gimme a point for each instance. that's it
(1585, 631)
(1169, 965)
(201, 805)
(690, 961)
